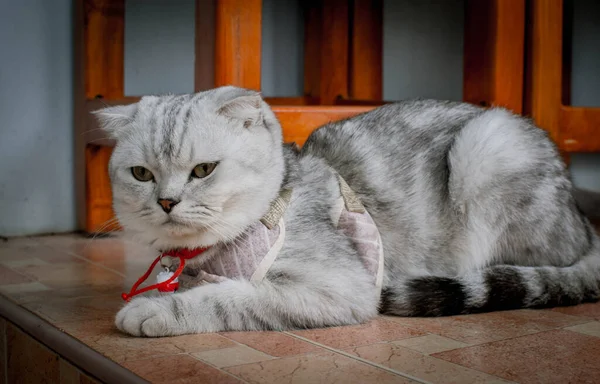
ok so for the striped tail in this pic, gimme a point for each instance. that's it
(495, 288)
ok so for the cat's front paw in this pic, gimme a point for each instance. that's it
(148, 317)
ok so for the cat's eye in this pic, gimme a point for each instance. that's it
(202, 170)
(141, 174)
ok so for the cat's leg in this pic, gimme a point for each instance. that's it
(283, 302)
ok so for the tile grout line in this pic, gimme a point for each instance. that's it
(218, 368)
(340, 352)
(471, 368)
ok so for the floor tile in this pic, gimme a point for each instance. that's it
(486, 327)
(179, 369)
(32, 292)
(115, 254)
(10, 276)
(227, 357)
(24, 262)
(17, 242)
(549, 357)
(591, 310)
(430, 344)
(23, 289)
(80, 309)
(273, 343)
(38, 252)
(63, 241)
(372, 332)
(29, 361)
(314, 368)
(421, 366)
(106, 339)
(72, 275)
(592, 329)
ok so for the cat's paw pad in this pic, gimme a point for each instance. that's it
(149, 317)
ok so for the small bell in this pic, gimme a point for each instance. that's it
(165, 275)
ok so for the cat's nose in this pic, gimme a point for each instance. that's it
(167, 204)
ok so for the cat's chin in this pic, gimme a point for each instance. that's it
(172, 238)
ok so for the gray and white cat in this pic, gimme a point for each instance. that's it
(474, 207)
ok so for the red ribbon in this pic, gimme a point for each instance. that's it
(165, 286)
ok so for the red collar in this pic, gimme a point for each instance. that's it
(184, 253)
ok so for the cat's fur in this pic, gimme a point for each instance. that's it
(474, 206)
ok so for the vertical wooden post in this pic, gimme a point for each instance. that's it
(334, 51)
(546, 64)
(238, 43)
(366, 56)
(509, 54)
(494, 53)
(313, 32)
(104, 30)
(204, 44)
(79, 111)
(100, 216)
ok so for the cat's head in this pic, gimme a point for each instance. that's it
(193, 170)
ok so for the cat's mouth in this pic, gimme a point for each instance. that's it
(179, 228)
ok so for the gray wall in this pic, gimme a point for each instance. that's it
(282, 68)
(36, 119)
(423, 49)
(585, 64)
(159, 46)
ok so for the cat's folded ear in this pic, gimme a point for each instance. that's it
(246, 108)
(115, 120)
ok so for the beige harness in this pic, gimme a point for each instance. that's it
(251, 255)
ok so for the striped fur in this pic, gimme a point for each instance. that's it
(475, 210)
(475, 207)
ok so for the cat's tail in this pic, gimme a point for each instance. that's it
(496, 288)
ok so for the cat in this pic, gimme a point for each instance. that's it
(474, 208)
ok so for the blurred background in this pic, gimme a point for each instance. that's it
(423, 45)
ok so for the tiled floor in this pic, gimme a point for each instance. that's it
(75, 284)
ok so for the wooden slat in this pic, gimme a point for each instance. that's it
(79, 112)
(301, 100)
(104, 53)
(98, 192)
(366, 56)
(478, 53)
(298, 122)
(579, 129)
(334, 51)
(204, 43)
(313, 28)
(494, 53)
(509, 54)
(238, 43)
(360, 102)
(546, 64)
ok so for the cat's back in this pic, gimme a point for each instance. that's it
(411, 125)
(390, 143)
